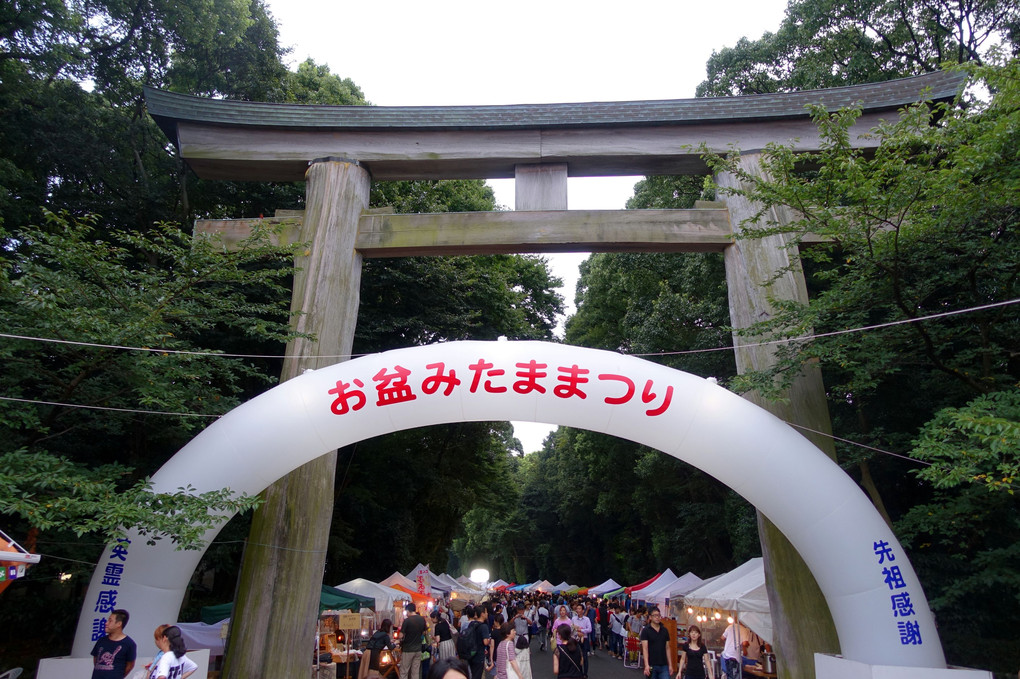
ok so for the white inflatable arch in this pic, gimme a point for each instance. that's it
(880, 612)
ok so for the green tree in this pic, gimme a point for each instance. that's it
(822, 43)
(923, 226)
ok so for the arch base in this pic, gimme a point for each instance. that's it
(838, 667)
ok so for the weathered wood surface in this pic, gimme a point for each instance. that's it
(384, 234)
(270, 154)
(281, 574)
(230, 232)
(540, 187)
(544, 231)
(801, 620)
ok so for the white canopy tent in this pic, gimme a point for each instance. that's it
(474, 588)
(741, 591)
(385, 597)
(609, 585)
(498, 583)
(665, 579)
(662, 589)
(438, 588)
(544, 586)
(685, 584)
(398, 579)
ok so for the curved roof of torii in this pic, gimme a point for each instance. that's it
(230, 139)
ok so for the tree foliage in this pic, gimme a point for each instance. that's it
(159, 291)
(920, 248)
(832, 43)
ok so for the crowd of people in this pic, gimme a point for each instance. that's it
(493, 639)
(496, 638)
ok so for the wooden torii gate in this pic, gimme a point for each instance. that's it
(339, 150)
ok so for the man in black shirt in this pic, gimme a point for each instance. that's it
(655, 648)
(412, 634)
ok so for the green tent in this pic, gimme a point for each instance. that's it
(330, 598)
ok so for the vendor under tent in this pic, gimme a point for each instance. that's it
(607, 586)
(739, 593)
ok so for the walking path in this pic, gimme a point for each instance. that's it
(601, 666)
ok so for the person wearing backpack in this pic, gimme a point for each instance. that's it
(473, 646)
(543, 624)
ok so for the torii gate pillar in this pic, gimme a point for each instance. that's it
(289, 534)
(752, 265)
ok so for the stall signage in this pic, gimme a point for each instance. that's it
(106, 602)
(423, 580)
(400, 385)
(349, 621)
(907, 624)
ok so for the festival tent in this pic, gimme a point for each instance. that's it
(646, 583)
(474, 588)
(545, 586)
(499, 583)
(741, 591)
(607, 586)
(385, 597)
(414, 595)
(330, 598)
(666, 578)
(686, 583)
(438, 588)
(460, 589)
(615, 592)
(562, 587)
(663, 589)
(398, 579)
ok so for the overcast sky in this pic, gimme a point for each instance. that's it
(471, 52)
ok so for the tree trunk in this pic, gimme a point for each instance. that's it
(273, 623)
(801, 620)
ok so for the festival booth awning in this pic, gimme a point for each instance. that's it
(685, 584)
(416, 597)
(385, 597)
(434, 586)
(457, 588)
(664, 589)
(615, 592)
(330, 598)
(398, 578)
(336, 599)
(646, 583)
(607, 586)
(666, 578)
(741, 592)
